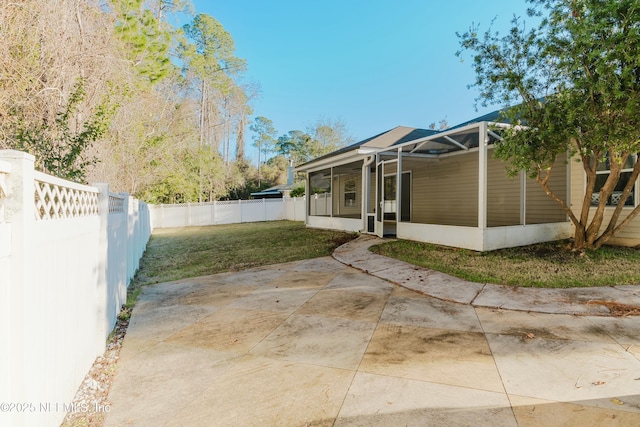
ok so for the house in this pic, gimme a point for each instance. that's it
(277, 191)
(442, 187)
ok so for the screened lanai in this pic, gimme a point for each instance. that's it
(336, 191)
(450, 191)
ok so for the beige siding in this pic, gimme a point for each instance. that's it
(390, 168)
(540, 207)
(339, 208)
(503, 195)
(445, 191)
(577, 184)
(629, 236)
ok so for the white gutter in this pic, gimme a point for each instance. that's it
(340, 159)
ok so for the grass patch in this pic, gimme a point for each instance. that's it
(180, 253)
(545, 265)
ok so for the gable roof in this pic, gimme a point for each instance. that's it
(395, 136)
(494, 116)
(400, 135)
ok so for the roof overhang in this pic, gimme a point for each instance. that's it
(416, 147)
(340, 159)
(413, 147)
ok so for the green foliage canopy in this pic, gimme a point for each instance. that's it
(145, 41)
(570, 85)
(212, 49)
(61, 149)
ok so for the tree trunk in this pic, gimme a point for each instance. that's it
(580, 238)
(240, 139)
(202, 113)
(612, 227)
(593, 229)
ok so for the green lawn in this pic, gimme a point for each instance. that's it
(548, 265)
(178, 253)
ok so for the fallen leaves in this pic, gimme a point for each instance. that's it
(617, 309)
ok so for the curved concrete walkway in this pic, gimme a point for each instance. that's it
(580, 301)
(320, 343)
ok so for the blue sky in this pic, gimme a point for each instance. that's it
(374, 64)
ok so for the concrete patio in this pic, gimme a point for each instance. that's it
(321, 343)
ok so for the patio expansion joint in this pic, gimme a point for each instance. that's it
(473, 300)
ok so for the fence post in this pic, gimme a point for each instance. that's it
(5, 280)
(134, 209)
(102, 288)
(16, 348)
(213, 212)
(295, 202)
(264, 209)
(127, 210)
(240, 207)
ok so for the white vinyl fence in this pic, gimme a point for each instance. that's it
(227, 212)
(67, 254)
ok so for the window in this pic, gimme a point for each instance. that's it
(602, 173)
(390, 197)
(350, 193)
(320, 200)
(320, 182)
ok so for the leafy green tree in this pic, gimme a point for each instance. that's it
(275, 170)
(324, 137)
(327, 135)
(298, 190)
(264, 139)
(61, 149)
(294, 145)
(144, 38)
(571, 85)
(212, 49)
(208, 52)
(58, 95)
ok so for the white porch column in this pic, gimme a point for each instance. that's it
(399, 187)
(307, 198)
(523, 198)
(483, 137)
(364, 195)
(332, 195)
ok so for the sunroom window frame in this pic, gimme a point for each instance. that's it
(633, 193)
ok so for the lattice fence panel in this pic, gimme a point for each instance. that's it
(54, 201)
(116, 204)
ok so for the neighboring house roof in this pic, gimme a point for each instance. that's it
(275, 191)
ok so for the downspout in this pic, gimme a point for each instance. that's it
(332, 195)
(523, 197)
